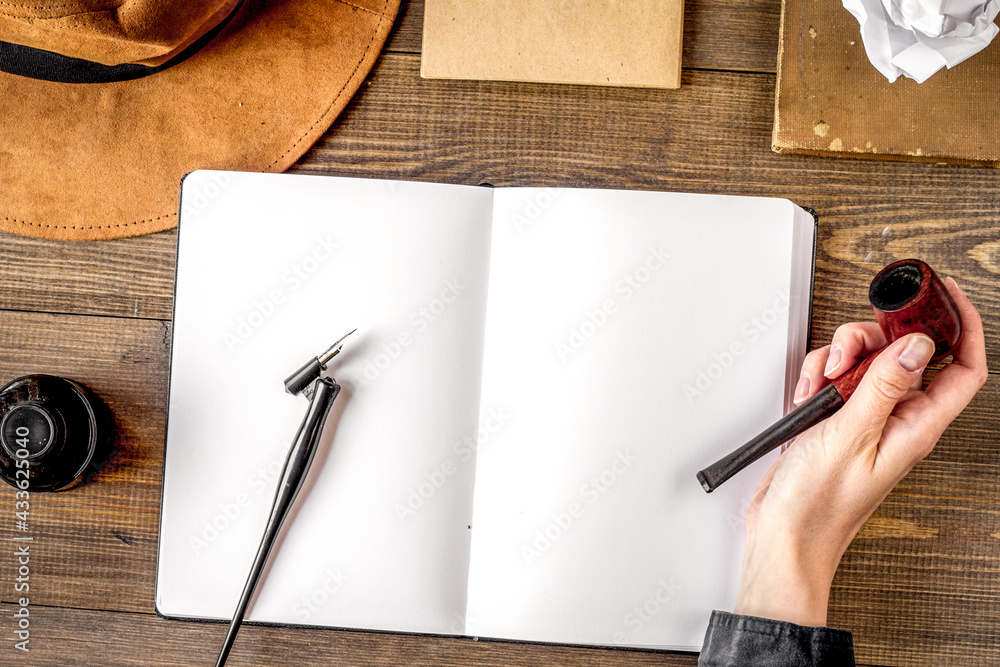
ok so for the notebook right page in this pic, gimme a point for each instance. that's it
(632, 339)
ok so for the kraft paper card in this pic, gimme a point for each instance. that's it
(600, 42)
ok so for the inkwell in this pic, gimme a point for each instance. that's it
(52, 431)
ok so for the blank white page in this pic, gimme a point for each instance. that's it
(271, 270)
(632, 339)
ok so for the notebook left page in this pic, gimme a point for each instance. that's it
(271, 270)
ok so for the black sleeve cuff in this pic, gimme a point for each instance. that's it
(733, 640)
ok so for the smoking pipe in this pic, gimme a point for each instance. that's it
(907, 297)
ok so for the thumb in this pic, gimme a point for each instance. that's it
(890, 376)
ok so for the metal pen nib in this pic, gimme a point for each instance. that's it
(321, 392)
(334, 350)
(301, 379)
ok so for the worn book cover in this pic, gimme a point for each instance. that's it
(602, 42)
(831, 101)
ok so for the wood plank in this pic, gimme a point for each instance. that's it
(61, 637)
(919, 585)
(407, 32)
(125, 278)
(718, 34)
(710, 136)
(724, 35)
(95, 545)
(934, 541)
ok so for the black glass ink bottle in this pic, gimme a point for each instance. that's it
(51, 431)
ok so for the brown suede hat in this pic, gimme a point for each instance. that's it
(106, 104)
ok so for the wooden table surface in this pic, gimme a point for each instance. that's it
(919, 586)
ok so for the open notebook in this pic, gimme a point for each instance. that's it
(536, 378)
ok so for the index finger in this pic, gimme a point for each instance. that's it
(955, 384)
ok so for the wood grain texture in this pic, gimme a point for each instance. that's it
(919, 585)
(934, 545)
(723, 35)
(709, 136)
(718, 34)
(94, 546)
(407, 33)
(131, 277)
(142, 640)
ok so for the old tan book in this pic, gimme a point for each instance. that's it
(602, 42)
(831, 100)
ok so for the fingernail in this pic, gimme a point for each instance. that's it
(801, 389)
(833, 361)
(917, 353)
(957, 286)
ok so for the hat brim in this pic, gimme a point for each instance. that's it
(101, 161)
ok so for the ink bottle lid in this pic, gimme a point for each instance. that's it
(51, 429)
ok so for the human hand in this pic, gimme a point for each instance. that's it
(825, 485)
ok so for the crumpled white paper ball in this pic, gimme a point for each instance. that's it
(916, 38)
